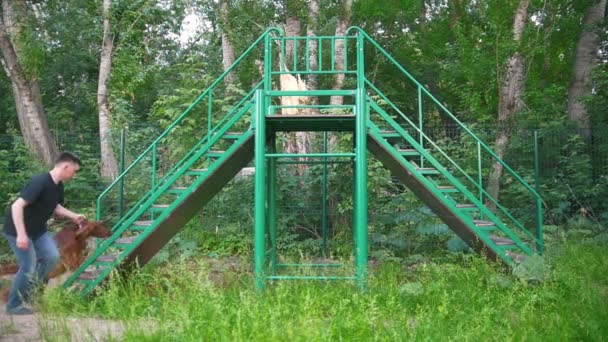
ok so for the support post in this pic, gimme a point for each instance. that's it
(272, 204)
(121, 208)
(260, 191)
(360, 199)
(324, 199)
(540, 245)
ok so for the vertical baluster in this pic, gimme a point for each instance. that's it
(420, 124)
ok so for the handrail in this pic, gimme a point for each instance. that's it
(481, 144)
(454, 163)
(207, 140)
(447, 111)
(179, 119)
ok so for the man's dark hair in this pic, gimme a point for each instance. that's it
(68, 157)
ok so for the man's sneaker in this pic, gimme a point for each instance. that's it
(20, 310)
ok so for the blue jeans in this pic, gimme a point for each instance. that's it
(35, 264)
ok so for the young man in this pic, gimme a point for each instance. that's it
(27, 232)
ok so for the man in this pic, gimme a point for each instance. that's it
(27, 232)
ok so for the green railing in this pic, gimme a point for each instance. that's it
(158, 161)
(482, 149)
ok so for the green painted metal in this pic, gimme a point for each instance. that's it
(260, 191)
(457, 167)
(448, 113)
(540, 245)
(310, 265)
(121, 185)
(482, 235)
(310, 278)
(360, 200)
(140, 160)
(421, 159)
(272, 205)
(310, 155)
(130, 226)
(420, 123)
(324, 200)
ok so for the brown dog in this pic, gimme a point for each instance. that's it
(72, 244)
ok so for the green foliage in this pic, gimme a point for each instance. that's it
(429, 300)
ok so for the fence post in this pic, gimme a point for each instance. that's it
(540, 246)
(121, 208)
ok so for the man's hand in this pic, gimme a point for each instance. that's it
(80, 220)
(22, 242)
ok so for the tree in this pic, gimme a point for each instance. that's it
(510, 96)
(586, 59)
(313, 50)
(109, 165)
(341, 28)
(17, 47)
(228, 57)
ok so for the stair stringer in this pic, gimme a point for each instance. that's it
(184, 212)
(438, 206)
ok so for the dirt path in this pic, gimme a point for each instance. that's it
(41, 328)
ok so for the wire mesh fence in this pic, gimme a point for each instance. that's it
(568, 165)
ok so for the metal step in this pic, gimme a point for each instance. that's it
(483, 223)
(501, 241)
(141, 225)
(107, 258)
(91, 275)
(196, 172)
(232, 135)
(428, 170)
(214, 154)
(176, 190)
(447, 188)
(390, 134)
(126, 240)
(159, 207)
(408, 152)
(467, 207)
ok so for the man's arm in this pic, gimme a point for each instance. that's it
(61, 211)
(17, 209)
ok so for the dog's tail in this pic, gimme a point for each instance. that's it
(8, 269)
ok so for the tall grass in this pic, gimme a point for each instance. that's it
(466, 298)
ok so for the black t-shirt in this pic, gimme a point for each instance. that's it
(42, 195)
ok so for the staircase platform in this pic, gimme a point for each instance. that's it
(309, 123)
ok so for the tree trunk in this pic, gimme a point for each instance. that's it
(313, 51)
(339, 51)
(228, 57)
(586, 59)
(510, 100)
(26, 89)
(295, 142)
(109, 165)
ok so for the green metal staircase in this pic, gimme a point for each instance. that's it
(229, 139)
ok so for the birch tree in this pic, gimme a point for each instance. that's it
(341, 28)
(228, 56)
(510, 98)
(24, 80)
(109, 165)
(585, 60)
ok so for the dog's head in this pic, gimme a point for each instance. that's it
(93, 228)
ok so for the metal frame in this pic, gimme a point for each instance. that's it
(418, 168)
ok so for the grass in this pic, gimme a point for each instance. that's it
(466, 298)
